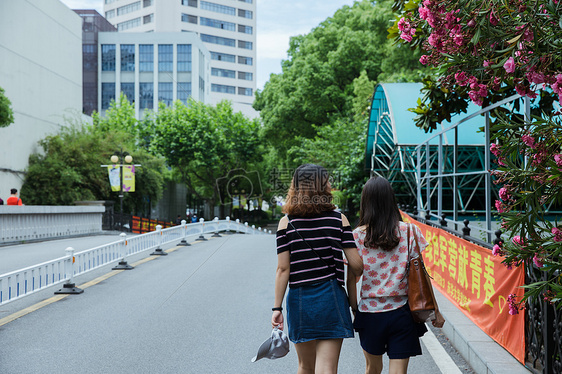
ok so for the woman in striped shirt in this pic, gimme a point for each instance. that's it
(311, 241)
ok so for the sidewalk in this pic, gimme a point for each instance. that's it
(483, 354)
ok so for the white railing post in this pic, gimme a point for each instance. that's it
(237, 224)
(228, 224)
(216, 234)
(246, 228)
(184, 238)
(69, 287)
(123, 265)
(158, 251)
(201, 237)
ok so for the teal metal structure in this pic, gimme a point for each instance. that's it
(391, 152)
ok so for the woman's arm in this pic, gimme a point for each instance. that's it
(281, 279)
(353, 259)
(351, 285)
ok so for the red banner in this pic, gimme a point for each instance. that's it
(478, 284)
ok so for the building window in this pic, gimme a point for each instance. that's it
(165, 57)
(146, 95)
(189, 18)
(128, 24)
(165, 92)
(184, 57)
(218, 40)
(223, 57)
(245, 44)
(107, 94)
(146, 57)
(184, 91)
(147, 3)
(110, 1)
(127, 57)
(244, 91)
(108, 57)
(201, 88)
(245, 29)
(128, 90)
(223, 88)
(245, 76)
(110, 14)
(90, 57)
(223, 73)
(223, 25)
(192, 3)
(148, 19)
(245, 13)
(245, 60)
(218, 8)
(133, 7)
(247, 1)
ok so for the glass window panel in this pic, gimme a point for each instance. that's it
(146, 57)
(108, 57)
(223, 88)
(127, 57)
(128, 90)
(218, 8)
(146, 95)
(223, 73)
(184, 57)
(184, 91)
(223, 57)
(218, 40)
(107, 94)
(223, 25)
(165, 57)
(165, 92)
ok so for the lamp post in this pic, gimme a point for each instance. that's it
(120, 156)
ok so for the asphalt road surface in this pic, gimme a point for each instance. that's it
(201, 309)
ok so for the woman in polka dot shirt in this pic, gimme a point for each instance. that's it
(382, 316)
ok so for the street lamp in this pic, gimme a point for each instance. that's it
(119, 157)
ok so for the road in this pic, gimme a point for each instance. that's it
(201, 309)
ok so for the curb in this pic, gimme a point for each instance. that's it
(482, 353)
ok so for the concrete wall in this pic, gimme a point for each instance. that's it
(28, 223)
(41, 73)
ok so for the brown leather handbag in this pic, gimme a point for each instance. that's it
(420, 292)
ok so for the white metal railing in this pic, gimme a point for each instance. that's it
(23, 282)
(438, 178)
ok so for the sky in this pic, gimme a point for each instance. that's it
(276, 23)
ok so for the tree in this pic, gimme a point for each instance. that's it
(6, 114)
(68, 169)
(316, 87)
(206, 144)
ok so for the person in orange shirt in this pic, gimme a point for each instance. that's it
(14, 199)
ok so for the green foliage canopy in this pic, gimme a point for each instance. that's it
(6, 114)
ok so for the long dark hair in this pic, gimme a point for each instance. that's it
(310, 192)
(379, 214)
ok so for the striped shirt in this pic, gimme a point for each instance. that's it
(326, 235)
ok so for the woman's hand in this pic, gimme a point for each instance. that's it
(277, 320)
(439, 321)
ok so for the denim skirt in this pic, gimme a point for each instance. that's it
(319, 311)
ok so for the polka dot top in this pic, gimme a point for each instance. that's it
(381, 286)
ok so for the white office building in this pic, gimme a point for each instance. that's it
(226, 27)
(152, 67)
(41, 73)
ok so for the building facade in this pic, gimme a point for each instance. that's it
(152, 67)
(226, 27)
(41, 73)
(92, 24)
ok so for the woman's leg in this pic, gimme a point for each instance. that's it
(327, 356)
(398, 366)
(374, 363)
(306, 353)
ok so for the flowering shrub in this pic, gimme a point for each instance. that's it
(485, 51)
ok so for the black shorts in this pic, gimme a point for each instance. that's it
(393, 332)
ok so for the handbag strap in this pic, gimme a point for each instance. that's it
(308, 244)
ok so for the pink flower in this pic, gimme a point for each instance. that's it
(423, 59)
(487, 63)
(528, 140)
(461, 78)
(495, 149)
(493, 19)
(407, 37)
(499, 206)
(557, 234)
(497, 250)
(403, 23)
(503, 194)
(558, 159)
(517, 240)
(538, 261)
(509, 65)
(513, 306)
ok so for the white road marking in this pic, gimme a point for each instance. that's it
(442, 359)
